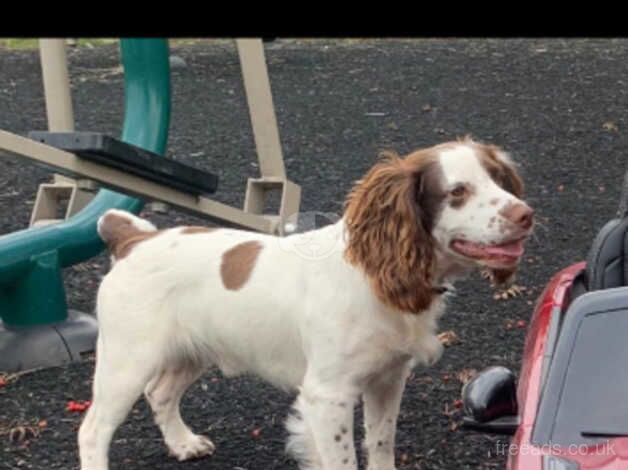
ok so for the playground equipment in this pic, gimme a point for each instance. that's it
(36, 328)
(60, 116)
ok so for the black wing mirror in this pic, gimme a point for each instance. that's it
(490, 402)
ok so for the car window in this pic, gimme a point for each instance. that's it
(586, 385)
(595, 386)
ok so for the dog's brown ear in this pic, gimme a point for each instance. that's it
(387, 235)
(504, 171)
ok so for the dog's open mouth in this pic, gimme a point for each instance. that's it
(504, 253)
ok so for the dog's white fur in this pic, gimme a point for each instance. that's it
(301, 322)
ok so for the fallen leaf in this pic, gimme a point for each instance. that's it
(451, 411)
(448, 338)
(22, 434)
(82, 267)
(77, 406)
(465, 375)
(511, 292)
(610, 126)
(6, 379)
(425, 380)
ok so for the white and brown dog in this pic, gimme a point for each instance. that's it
(337, 328)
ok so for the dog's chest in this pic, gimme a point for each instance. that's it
(398, 337)
(416, 332)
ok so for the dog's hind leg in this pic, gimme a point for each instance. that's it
(120, 377)
(164, 393)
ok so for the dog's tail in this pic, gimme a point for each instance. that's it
(121, 230)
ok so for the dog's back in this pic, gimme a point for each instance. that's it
(214, 295)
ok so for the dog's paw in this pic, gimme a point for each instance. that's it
(194, 447)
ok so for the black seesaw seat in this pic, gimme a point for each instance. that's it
(107, 151)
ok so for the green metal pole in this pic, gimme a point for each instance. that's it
(31, 285)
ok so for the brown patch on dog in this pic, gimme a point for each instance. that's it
(192, 229)
(494, 201)
(238, 263)
(390, 213)
(121, 236)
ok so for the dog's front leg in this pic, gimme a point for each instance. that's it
(328, 413)
(382, 398)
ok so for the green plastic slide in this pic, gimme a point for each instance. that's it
(31, 285)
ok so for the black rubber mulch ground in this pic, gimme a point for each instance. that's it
(558, 105)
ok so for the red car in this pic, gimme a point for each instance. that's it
(569, 410)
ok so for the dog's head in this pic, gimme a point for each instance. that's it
(438, 210)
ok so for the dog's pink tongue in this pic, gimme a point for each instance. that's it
(512, 249)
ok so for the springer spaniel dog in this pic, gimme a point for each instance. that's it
(337, 328)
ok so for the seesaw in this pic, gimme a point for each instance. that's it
(36, 327)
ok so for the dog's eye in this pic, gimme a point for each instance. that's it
(459, 190)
